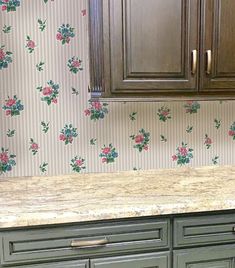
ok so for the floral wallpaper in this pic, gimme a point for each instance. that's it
(49, 125)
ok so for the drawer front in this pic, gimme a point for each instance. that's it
(66, 264)
(201, 230)
(33, 245)
(151, 260)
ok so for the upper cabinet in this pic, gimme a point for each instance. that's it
(217, 70)
(162, 49)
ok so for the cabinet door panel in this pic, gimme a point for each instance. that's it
(206, 257)
(153, 260)
(65, 264)
(151, 42)
(218, 37)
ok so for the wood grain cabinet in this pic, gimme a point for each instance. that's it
(162, 49)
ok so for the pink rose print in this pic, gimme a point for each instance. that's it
(77, 164)
(2, 54)
(141, 140)
(10, 102)
(183, 154)
(164, 114)
(83, 12)
(108, 154)
(68, 133)
(5, 58)
(192, 107)
(7, 161)
(59, 36)
(208, 141)
(50, 92)
(231, 132)
(34, 147)
(65, 33)
(4, 158)
(30, 44)
(7, 5)
(47, 91)
(87, 112)
(97, 110)
(13, 106)
(106, 150)
(75, 65)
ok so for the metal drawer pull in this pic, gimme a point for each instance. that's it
(208, 61)
(88, 243)
(234, 229)
(194, 61)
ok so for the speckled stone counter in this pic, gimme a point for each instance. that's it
(29, 201)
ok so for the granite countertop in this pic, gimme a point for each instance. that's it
(28, 201)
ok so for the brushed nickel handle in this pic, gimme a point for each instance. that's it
(208, 61)
(233, 229)
(194, 61)
(88, 243)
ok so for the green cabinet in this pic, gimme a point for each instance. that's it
(156, 260)
(205, 257)
(162, 49)
(182, 241)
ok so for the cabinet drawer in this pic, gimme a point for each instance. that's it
(150, 260)
(193, 231)
(32, 245)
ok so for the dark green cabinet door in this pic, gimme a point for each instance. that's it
(218, 46)
(205, 257)
(152, 260)
(149, 46)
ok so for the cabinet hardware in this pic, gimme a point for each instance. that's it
(208, 61)
(88, 243)
(194, 61)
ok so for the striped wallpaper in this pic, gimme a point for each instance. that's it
(48, 125)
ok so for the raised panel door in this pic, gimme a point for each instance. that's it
(205, 257)
(144, 47)
(151, 44)
(218, 46)
(151, 260)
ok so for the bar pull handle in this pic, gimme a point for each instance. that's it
(194, 61)
(88, 243)
(208, 61)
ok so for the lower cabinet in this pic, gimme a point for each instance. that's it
(205, 257)
(152, 260)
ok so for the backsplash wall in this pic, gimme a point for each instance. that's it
(48, 125)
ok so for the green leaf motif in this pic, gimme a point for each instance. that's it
(93, 141)
(75, 91)
(189, 129)
(132, 116)
(39, 66)
(42, 24)
(6, 29)
(11, 133)
(43, 167)
(217, 123)
(215, 160)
